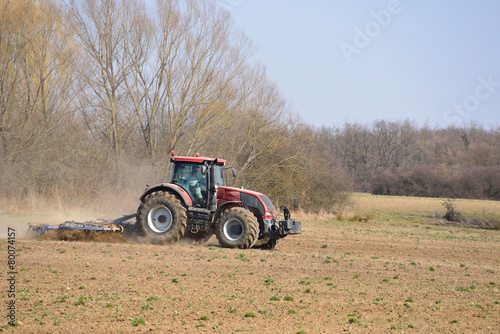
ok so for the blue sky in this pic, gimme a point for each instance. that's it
(435, 62)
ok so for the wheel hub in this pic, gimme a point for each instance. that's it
(233, 229)
(160, 219)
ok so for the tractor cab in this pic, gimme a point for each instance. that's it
(198, 175)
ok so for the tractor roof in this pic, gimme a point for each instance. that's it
(197, 160)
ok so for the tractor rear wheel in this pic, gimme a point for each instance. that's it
(237, 227)
(162, 218)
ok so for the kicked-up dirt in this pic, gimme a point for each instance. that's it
(338, 276)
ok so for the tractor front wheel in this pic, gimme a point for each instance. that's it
(237, 228)
(162, 218)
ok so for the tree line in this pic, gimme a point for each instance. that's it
(95, 94)
(402, 158)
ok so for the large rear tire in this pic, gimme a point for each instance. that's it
(162, 218)
(237, 228)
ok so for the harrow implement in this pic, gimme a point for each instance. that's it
(100, 225)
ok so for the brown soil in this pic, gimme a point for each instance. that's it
(84, 236)
(337, 276)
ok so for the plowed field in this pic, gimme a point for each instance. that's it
(377, 275)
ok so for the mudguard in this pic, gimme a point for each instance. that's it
(177, 190)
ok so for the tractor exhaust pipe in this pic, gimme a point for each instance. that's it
(212, 187)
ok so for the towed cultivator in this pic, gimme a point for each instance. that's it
(99, 225)
(195, 205)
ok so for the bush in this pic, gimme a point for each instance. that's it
(452, 213)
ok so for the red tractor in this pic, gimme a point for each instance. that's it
(196, 204)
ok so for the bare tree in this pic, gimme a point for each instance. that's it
(183, 96)
(102, 28)
(36, 85)
(37, 91)
(354, 145)
(202, 75)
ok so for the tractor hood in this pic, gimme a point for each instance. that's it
(256, 202)
(233, 193)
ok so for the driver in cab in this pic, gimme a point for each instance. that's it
(197, 185)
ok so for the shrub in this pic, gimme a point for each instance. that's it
(452, 213)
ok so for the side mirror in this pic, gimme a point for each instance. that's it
(204, 170)
(234, 170)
